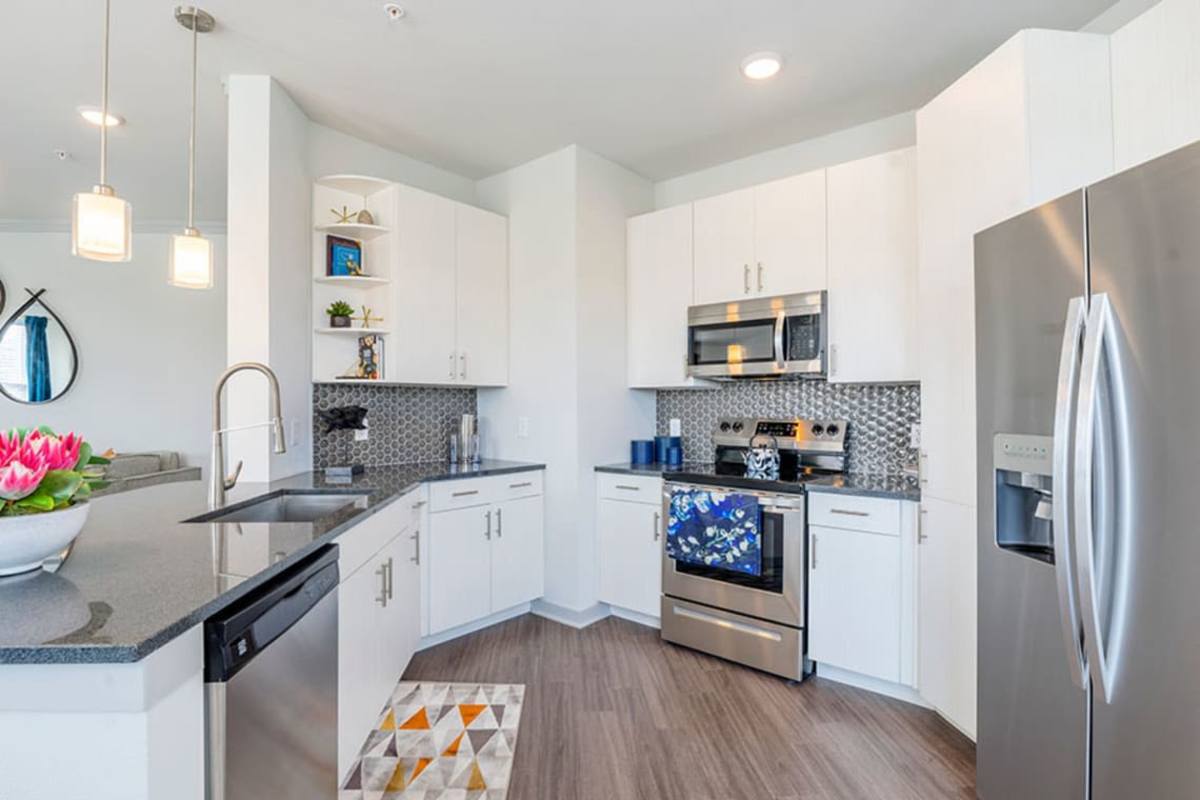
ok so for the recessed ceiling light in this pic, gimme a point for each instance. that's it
(94, 116)
(760, 66)
(393, 11)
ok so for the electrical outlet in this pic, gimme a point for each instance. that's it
(914, 436)
(676, 427)
(522, 427)
(364, 434)
(294, 432)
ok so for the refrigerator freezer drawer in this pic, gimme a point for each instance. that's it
(763, 645)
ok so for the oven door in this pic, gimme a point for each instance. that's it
(777, 594)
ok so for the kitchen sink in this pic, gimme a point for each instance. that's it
(286, 507)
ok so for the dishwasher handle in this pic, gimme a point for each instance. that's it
(235, 635)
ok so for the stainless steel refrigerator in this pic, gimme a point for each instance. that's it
(1088, 393)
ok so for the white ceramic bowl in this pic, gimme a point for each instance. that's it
(29, 539)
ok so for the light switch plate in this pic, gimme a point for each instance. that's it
(914, 436)
(676, 427)
(364, 434)
(522, 427)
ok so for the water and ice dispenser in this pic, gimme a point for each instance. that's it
(1024, 495)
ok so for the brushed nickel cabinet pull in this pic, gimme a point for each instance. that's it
(746, 277)
(814, 551)
(383, 592)
(499, 523)
(465, 494)
(657, 520)
(760, 274)
(520, 485)
(488, 532)
(846, 513)
(416, 537)
(628, 488)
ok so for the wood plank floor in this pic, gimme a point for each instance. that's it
(613, 712)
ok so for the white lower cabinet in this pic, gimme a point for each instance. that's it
(379, 613)
(862, 585)
(948, 603)
(630, 555)
(629, 546)
(854, 601)
(485, 549)
(460, 567)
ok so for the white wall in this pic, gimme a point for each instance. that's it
(332, 152)
(872, 138)
(538, 199)
(1156, 82)
(269, 277)
(148, 351)
(609, 413)
(567, 216)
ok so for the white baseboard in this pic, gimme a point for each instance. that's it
(569, 616)
(634, 616)
(478, 625)
(896, 690)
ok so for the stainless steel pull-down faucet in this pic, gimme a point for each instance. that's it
(218, 484)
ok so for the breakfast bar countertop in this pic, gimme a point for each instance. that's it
(139, 575)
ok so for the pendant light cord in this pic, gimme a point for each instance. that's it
(192, 136)
(104, 101)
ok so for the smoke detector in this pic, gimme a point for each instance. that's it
(394, 12)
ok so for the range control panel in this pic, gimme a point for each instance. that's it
(790, 434)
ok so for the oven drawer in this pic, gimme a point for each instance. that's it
(870, 514)
(763, 645)
(633, 488)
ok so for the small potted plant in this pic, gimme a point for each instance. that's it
(339, 314)
(45, 480)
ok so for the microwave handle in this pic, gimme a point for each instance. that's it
(780, 356)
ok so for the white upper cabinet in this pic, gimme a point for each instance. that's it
(482, 308)
(789, 236)
(873, 269)
(425, 314)
(724, 247)
(760, 242)
(450, 295)
(659, 291)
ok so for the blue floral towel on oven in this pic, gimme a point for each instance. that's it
(715, 529)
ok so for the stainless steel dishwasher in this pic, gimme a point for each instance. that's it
(270, 676)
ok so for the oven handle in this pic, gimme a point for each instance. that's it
(772, 502)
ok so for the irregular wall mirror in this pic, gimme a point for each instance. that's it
(38, 358)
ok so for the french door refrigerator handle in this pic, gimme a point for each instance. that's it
(1098, 344)
(1064, 573)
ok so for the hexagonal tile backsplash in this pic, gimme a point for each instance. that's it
(408, 424)
(880, 416)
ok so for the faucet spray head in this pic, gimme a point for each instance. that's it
(280, 440)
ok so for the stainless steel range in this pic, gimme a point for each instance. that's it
(757, 620)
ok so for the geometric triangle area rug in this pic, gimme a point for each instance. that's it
(440, 741)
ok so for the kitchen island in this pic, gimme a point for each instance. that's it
(101, 663)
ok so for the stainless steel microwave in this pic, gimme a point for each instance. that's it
(767, 337)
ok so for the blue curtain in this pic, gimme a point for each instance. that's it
(37, 359)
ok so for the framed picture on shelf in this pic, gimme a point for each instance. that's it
(370, 357)
(343, 257)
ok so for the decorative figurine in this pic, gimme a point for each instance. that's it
(364, 218)
(344, 216)
(368, 317)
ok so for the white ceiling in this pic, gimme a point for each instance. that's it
(476, 86)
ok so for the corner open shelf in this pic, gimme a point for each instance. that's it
(359, 281)
(362, 185)
(352, 331)
(353, 230)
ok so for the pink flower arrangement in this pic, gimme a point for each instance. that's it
(41, 471)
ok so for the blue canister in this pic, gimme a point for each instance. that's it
(674, 456)
(662, 446)
(641, 451)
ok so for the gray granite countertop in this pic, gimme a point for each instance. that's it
(139, 576)
(896, 487)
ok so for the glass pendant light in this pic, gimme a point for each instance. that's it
(191, 254)
(101, 222)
